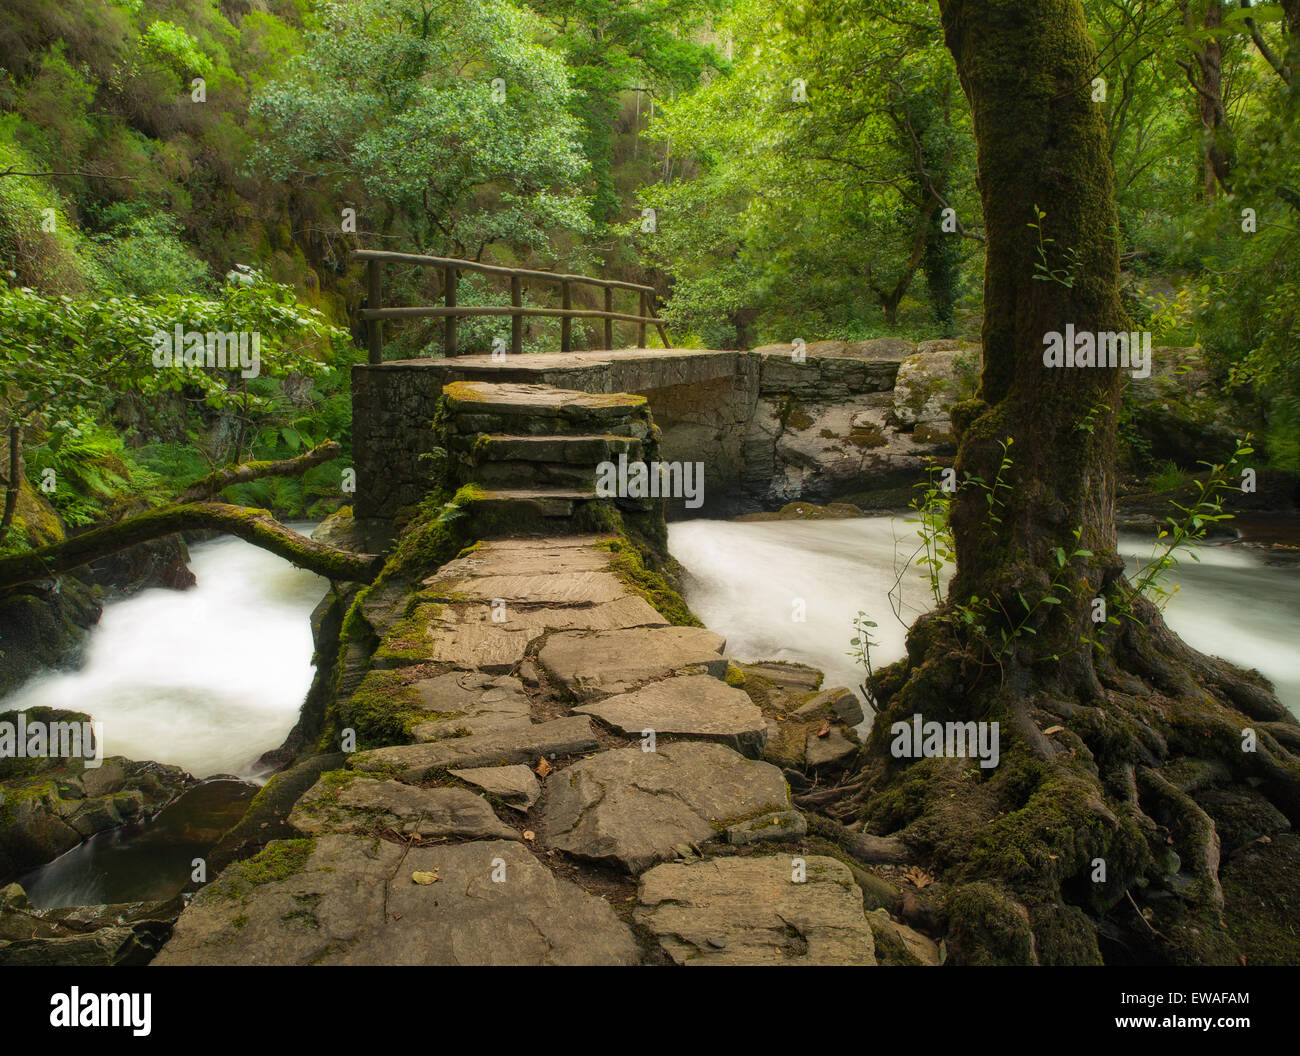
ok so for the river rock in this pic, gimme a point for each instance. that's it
(414, 763)
(45, 806)
(695, 706)
(797, 677)
(601, 663)
(513, 785)
(898, 944)
(929, 383)
(354, 901)
(465, 703)
(833, 750)
(345, 802)
(631, 808)
(840, 701)
(781, 826)
(751, 911)
(81, 936)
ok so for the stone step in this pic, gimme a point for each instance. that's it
(588, 665)
(535, 474)
(539, 401)
(629, 808)
(698, 707)
(586, 449)
(502, 512)
(349, 899)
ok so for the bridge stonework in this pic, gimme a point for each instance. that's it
(772, 425)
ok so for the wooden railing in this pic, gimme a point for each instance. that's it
(374, 313)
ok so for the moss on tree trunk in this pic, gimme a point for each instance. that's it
(1088, 834)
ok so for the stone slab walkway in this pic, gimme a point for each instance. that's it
(582, 787)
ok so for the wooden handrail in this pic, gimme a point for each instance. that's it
(437, 311)
(492, 269)
(374, 313)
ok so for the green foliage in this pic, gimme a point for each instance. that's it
(144, 256)
(815, 170)
(93, 473)
(1178, 533)
(451, 114)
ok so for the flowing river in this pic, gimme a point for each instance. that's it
(212, 677)
(208, 678)
(788, 590)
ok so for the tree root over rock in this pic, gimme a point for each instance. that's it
(1097, 836)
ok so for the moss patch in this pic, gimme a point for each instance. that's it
(381, 710)
(277, 861)
(630, 568)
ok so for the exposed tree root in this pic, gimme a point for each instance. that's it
(254, 526)
(1097, 828)
(191, 512)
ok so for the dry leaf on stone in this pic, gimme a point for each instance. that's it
(529, 835)
(918, 877)
(1051, 730)
(425, 878)
(542, 768)
(824, 731)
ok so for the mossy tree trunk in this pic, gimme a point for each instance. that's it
(1086, 830)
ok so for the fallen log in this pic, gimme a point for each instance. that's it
(254, 526)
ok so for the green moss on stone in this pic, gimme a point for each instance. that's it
(630, 568)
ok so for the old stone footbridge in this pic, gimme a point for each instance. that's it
(773, 425)
(559, 765)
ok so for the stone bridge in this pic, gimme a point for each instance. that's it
(769, 426)
(557, 764)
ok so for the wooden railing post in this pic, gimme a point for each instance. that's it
(375, 292)
(516, 320)
(566, 323)
(449, 279)
(374, 312)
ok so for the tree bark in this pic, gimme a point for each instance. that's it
(218, 480)
(1207, 81)
(1095, 739)
(15, 481)
(254, 526)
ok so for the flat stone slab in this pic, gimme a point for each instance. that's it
(696, 706)
(414, 763)
(343, 802)
(832, 750)
(466, 703)
(354, 901)
(548, 542)
(601, 663)
(538, 401)
(541, 588)
(626, 612)
(516, 786)
(751, 911)
(492, 559)
(474, 637)
(632, 808)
